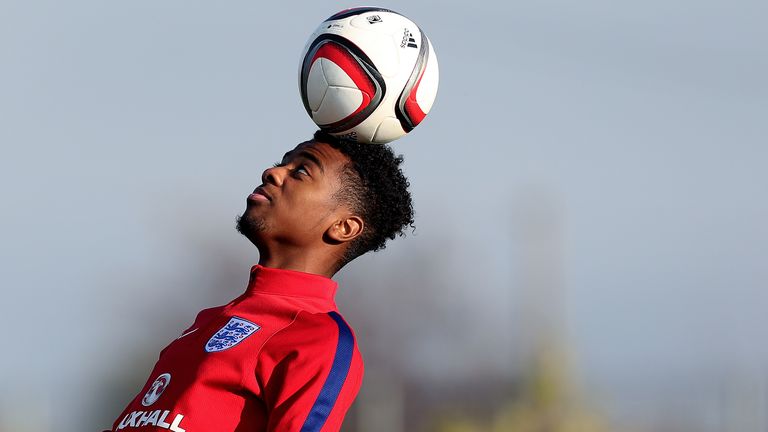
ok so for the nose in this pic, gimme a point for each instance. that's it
(273, 175)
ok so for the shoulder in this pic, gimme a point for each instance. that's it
(314, 332)
(315, 348)
(310, 373)
(313, 342)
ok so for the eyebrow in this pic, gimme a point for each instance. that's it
(309, 156)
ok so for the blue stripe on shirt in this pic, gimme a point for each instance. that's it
(336, 377)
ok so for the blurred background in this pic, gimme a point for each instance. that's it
(591, 245)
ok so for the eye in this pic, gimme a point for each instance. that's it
(301, 169)
(277, 164)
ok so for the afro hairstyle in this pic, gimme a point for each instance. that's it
(374, 186)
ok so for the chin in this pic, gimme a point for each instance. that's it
(252, 227)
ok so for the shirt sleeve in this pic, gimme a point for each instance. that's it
(310, 373)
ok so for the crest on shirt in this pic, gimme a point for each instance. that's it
(231, 334)
(156, 389)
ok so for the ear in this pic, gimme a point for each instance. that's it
(346, 229)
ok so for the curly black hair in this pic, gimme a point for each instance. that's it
(374, 186)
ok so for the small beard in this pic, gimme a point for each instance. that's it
(250, 227)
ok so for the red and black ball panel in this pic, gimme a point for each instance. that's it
(407, 108)
(345, 56)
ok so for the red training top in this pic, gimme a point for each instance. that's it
(277, 358)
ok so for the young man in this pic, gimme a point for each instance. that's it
(280, 357)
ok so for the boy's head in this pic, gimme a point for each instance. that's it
(329, 197)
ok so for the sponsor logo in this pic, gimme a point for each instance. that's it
(231, 334)
(157, 418)
(373, 19)
(156, 389)
(408, 40)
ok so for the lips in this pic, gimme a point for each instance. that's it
(259, 195)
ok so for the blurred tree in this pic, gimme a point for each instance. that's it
(544, 398)
(546, 402)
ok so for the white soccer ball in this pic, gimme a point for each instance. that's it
(368, 74)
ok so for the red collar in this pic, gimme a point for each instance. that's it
(291, 283)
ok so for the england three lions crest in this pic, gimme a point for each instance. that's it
(231, 334)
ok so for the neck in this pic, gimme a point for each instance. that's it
(299, 260)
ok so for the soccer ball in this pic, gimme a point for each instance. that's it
(368, 75)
